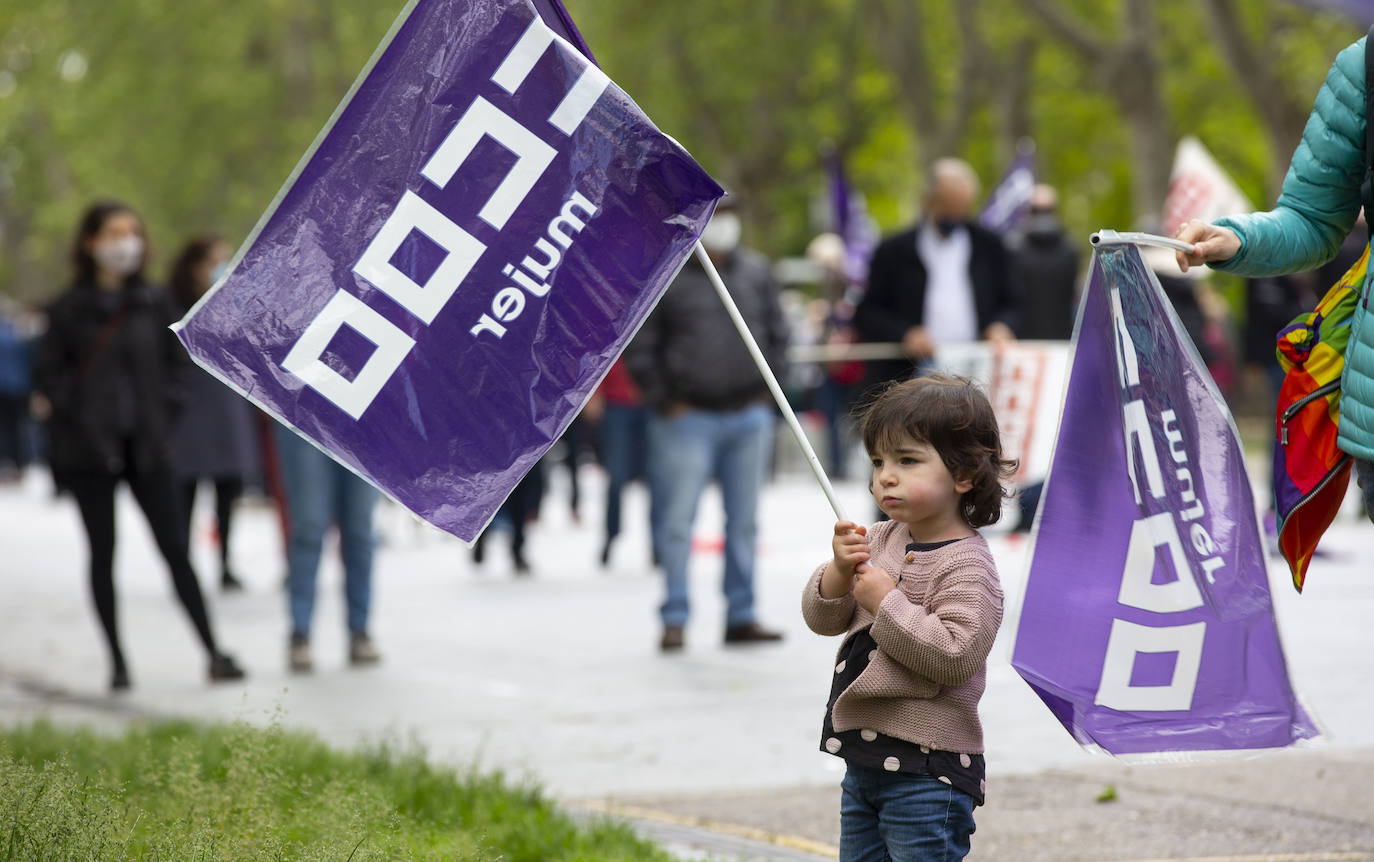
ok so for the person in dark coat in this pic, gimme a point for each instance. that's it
(213, 438)
(945, 280)
(108, 379)
(1047, 260)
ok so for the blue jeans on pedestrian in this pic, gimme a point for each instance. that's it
(320, 491)
(900, 817)
(624, 432)
(685, 452)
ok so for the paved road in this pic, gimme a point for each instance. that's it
(557, 677)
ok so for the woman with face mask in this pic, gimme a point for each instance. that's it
(107, 380)
(213, 438)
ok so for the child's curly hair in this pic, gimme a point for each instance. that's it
(953, 416)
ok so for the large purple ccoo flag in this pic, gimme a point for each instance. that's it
(560, 22)
(1147, 624)
(471, 242)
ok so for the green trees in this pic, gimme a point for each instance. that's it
(192, 111)
(195, 111)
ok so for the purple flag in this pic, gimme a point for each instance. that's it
(1147, 624)
(454, 266)
(561, 22)
(1009, 201)
(850, 221)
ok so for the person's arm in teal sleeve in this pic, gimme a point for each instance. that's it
(1321, 193)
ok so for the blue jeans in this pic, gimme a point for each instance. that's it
(320, 491)
(898, 817)
(624, 432)
(685, 452)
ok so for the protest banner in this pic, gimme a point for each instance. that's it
(1024, 381)
(1147, 623)
(472, 240)
(1199, 189)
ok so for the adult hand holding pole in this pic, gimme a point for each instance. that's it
(1210, 243)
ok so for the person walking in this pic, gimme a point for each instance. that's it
(320, 491)
(1328, 181)
(108, 380)
(17, 344)
(919, 603)
(213, 439)
(622, 424)
(711, 419)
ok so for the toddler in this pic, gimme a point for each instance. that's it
(918, 601)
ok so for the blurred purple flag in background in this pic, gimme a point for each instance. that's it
(1009, 201)
(471, 242)
(1147, 623)
(849, 220)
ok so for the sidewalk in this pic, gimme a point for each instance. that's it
(558, 678)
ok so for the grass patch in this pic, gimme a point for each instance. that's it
(182, 791)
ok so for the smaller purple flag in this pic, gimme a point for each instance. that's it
(1008, 202)
(467, 248)
(1147, 623)
(850, 221)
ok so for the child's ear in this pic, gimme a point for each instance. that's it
(963, 486)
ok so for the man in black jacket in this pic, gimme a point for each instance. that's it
(711, 419)
(944, 281)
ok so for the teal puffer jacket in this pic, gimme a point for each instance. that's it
(1315, 212)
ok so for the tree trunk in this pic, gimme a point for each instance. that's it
(1130, 68)
(1281, 111)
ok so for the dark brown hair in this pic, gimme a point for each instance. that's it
(181, 283)
(91, 222)
(952, 416)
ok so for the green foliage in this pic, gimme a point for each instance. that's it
(195, 111)
(187, 792)
(191, 111)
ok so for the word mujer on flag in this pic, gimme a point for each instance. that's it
(1147, 623)
(471, 242)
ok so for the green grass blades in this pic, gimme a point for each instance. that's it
(180, 791)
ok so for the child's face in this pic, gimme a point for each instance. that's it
(911, 484)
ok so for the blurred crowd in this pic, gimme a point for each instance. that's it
(94, 385)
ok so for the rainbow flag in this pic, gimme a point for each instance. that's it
(1311, 473)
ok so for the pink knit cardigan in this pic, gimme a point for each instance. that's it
(934, 632)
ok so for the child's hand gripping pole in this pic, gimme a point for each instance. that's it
(769, 378)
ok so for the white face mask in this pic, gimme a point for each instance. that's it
(121, 256)
(722, 233)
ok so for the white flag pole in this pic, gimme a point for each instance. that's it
(1107, 238)
(769, 378)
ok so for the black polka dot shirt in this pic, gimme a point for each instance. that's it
(868, 748)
